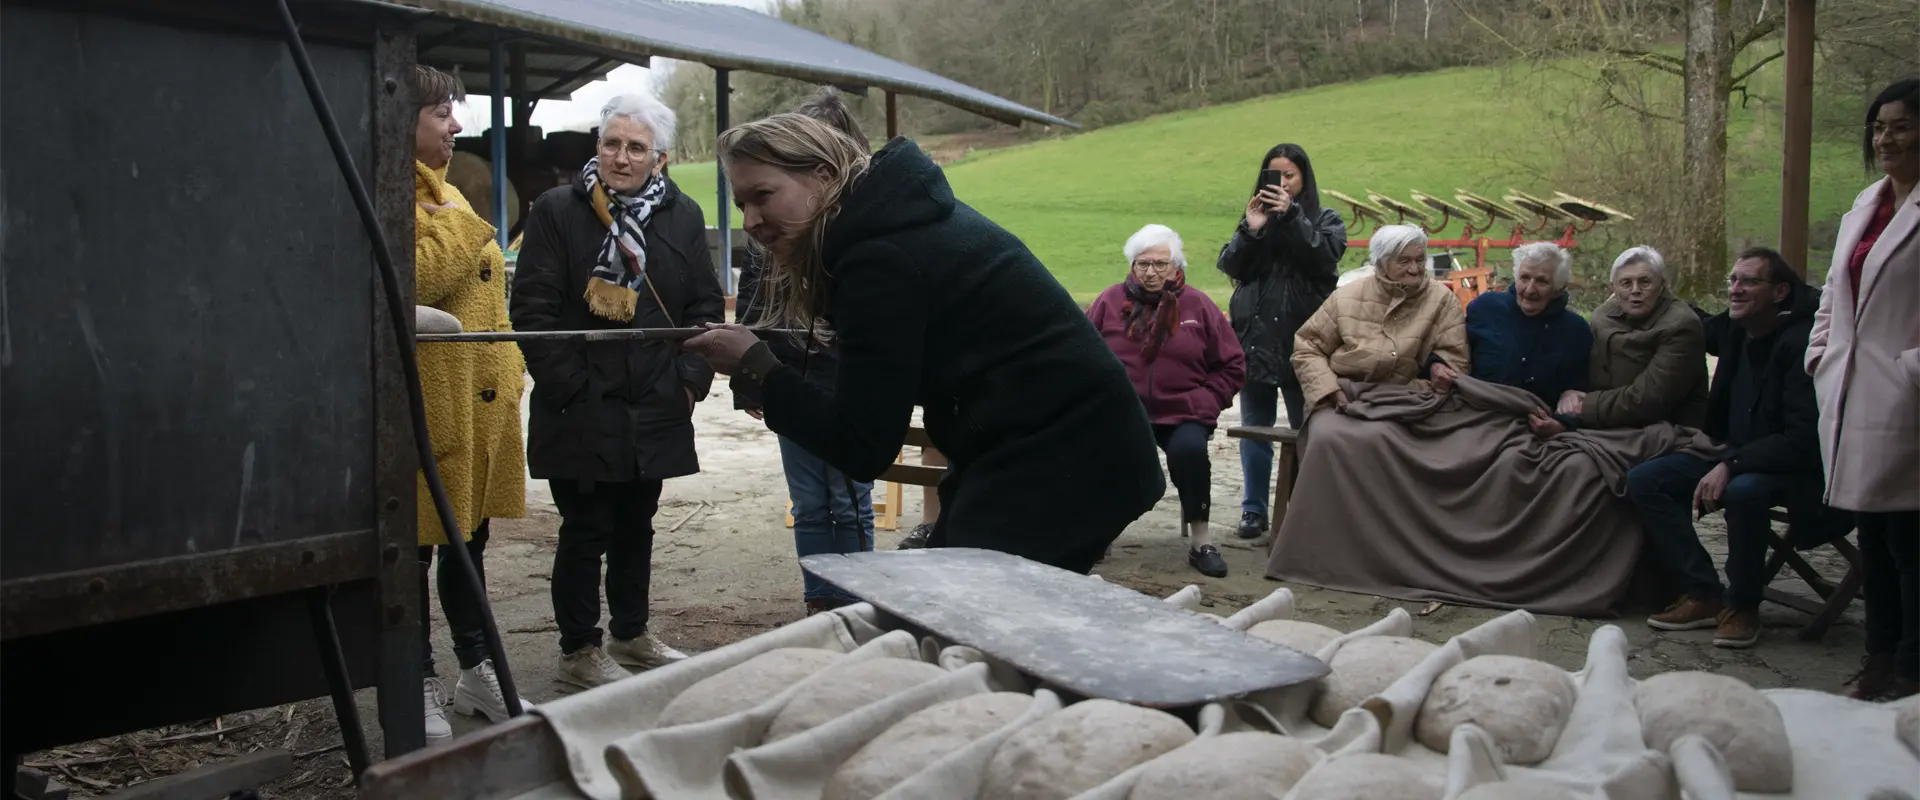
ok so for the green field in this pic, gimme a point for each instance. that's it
(1074, 200)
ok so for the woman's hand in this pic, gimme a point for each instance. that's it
(1571, 403)
(1544, 426)
(1339, 397)
(757, 414)
(723, 345)
(1443, 376)
(431, 208)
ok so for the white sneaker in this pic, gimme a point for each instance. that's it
(644, 651)
(438, 729)
(590, 667)
(478, 692)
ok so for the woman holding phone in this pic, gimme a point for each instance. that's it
(1283, 259)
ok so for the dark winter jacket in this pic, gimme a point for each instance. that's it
(1783, 423)
(1545, 354)
(1280, 277)
(612, 411)
(1198, 369)
(1050, 454)
(820, 363)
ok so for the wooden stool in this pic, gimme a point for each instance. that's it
(1286, 461)
(1834, 598)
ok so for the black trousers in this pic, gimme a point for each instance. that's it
(1890, 567)
(456, 601)
(1186, 447)
(613, 521)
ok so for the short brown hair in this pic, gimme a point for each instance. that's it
(826, 106)
(431, 87)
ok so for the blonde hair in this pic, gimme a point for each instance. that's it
(791, 289)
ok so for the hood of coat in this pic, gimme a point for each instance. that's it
(901, 189)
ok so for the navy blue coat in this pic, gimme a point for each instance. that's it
(1545, 355)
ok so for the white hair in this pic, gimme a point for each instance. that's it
(646, 110)
(1156, 235)
(1389, 240)
(1545, 253)
(1640, 255)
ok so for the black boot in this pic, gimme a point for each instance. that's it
(1253, 525)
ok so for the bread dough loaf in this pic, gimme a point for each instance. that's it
(1732, 716)
(1906, 723)
(1519, 789)
(1305, 637)
(744, 685)
(1250, 765)
(914, 743)
(846, 688)
(1363, 668)
(1078, 748)
(1370, 776)
(1521, 703)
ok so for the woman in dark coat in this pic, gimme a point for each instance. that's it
(1284, 259)
(931, 304)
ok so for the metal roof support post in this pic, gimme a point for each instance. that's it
(721, 218)
(498, 61)
(1796, 141)
(893, 115)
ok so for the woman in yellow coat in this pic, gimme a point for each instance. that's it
(472, 394)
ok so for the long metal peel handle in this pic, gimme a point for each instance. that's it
(611, 334)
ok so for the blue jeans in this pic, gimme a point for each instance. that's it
(826, 518)
(1662, 491)
(1260, 407)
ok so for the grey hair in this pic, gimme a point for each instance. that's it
(1156, 235)
(646, 110)
(1545, 252)
(1389, 240)
(1640, 255)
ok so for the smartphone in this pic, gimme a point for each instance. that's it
(1271, 177)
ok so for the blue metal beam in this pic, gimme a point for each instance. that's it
(498, 61)
(723, 217)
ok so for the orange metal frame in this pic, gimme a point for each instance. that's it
(1473, 282)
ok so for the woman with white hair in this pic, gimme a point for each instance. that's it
(619, 247)
(1527, 338)
(1649, 357)
(1186, 365)
(1394, 327)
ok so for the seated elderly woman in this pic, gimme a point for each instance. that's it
(1186, 365)
(1387, 328)
(1526, 337)
(1649, 361)
(1442, 489)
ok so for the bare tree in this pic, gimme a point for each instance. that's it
(1704, 154)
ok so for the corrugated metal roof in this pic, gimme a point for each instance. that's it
(722, 36)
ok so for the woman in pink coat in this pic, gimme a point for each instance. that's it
(1186, 365)
(1864, 356)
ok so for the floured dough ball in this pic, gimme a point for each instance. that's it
(1370, 776)
(1519, 789)
(1250, 765)
(1305, 637)
(1906, 723)
(914, 743)
(744, 685)
(1078, 748)
(1363, 668)
(845, 689)
(1522, 703)
(1732, 716)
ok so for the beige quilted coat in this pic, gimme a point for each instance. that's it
(1377, 331)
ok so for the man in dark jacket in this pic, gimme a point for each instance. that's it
(1761, 407)
(1284, 259)
(620, 247)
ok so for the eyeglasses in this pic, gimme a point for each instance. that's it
(1901, 128)
(1742, 280)
(1645, 283)
(1153, 266)
(634, 150)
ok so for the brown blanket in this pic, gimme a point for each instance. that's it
(1417, 496)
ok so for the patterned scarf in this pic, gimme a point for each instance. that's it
(614, 290)
(1152, 316)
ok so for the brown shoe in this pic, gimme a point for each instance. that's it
(1739, 628)
(1689, 613)
(1875, 676)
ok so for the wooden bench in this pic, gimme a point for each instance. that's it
(1286, 463)
(1834, 597)
(886, 508)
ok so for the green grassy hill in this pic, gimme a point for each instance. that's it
(1074, 200)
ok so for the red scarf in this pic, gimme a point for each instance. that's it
(1152, 316)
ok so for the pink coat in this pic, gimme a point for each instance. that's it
(1197, 371)
(1865, 361)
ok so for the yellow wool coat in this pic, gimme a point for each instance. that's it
(472, 391)
(1376, 331)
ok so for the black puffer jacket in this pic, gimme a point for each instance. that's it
(1280, 277)
(932, 304)
(612, 411)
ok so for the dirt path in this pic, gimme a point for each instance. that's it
(725, 570)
